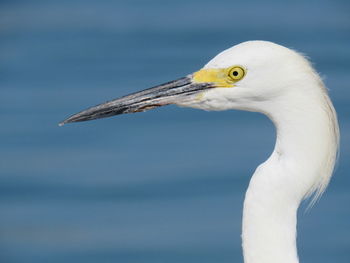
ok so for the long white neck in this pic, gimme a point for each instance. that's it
(302, 163)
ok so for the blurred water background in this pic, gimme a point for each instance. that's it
(161, 186)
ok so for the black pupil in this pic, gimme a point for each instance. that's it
(235, 73)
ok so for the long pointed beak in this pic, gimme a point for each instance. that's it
(173, 92)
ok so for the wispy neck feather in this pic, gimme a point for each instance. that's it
(308, 136)
(301, 165)
(331, 151)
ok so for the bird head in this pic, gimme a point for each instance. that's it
(250, 76)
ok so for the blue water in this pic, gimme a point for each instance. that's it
(162, 186)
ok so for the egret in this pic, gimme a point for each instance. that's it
(260, 76)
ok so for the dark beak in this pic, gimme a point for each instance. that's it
(173, 92)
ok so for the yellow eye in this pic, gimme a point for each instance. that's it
(236, 73)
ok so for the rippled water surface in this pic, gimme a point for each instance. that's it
(161, 186)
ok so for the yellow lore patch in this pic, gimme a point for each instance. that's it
(222, 77)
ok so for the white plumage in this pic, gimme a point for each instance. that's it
(283, 85)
